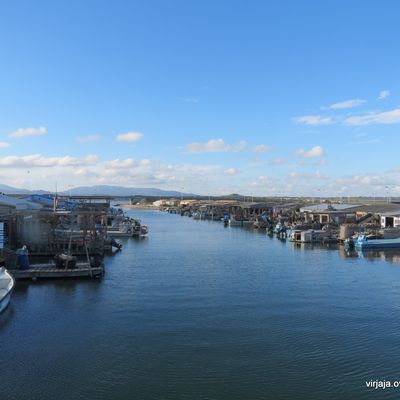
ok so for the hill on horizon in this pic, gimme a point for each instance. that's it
(108, 190)
(100, 190)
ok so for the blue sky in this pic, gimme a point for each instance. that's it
(256, 97)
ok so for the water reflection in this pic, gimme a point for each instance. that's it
(314, 246)
(6, 316)
(389, 255)
(199, 311)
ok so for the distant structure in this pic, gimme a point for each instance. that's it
(166, 203)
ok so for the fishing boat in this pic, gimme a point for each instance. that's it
(235, 222)
(6, 287)
(362, 243)
(123, 230)
(130, 228)
(140, 231)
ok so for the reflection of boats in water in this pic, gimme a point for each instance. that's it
(6, 286)
(388, 255)
(235, 220)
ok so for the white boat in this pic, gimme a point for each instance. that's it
(123, 230)
(6, 287)
(235, 222)
(128, 229)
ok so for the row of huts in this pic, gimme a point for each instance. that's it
(387, 215)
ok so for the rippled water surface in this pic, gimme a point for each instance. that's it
(199, 311)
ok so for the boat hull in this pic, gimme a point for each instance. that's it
(4, 302)
(233, 222)
(378, 244)
(6, 288)
(119, 234)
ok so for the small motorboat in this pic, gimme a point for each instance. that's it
(6, 287)
(140, 231)
(363, 243)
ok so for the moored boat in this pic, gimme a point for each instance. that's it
(140, 231)
(6, 287)
(123, 231)
(362, 243)
(235, 222)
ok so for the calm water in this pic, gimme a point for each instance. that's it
(199, 311)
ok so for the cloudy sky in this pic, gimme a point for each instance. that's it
(255, 97)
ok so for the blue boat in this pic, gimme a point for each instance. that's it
(364, 244)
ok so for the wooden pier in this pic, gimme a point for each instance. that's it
(46, 271)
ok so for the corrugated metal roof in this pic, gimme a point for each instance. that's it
(391, 214)
(19, 204)
(328, 207)
(378, 208)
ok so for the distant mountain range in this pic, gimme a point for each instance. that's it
(106, 190)
(12, 190)
(101, 190)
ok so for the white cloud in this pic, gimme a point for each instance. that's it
(23, 132)
(215, 146)
(316, 151)
(126, 163)
(36, 171)
(121, 164)
(262, 180)
(375, 118)
(37, 160)
(130, 137)
(91, 159)
(346, 104)
(313, 120)
(3, 145)
(88, 138)
(302, 175)
(261, 148)
(383, 94)
(231, 171)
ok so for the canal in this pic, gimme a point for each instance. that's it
(200, 311)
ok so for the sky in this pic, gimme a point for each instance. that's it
(296, 98)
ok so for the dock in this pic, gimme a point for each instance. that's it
(46, 271)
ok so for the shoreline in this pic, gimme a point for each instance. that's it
(139, 206)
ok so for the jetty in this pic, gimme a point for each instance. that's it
(46, 271)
